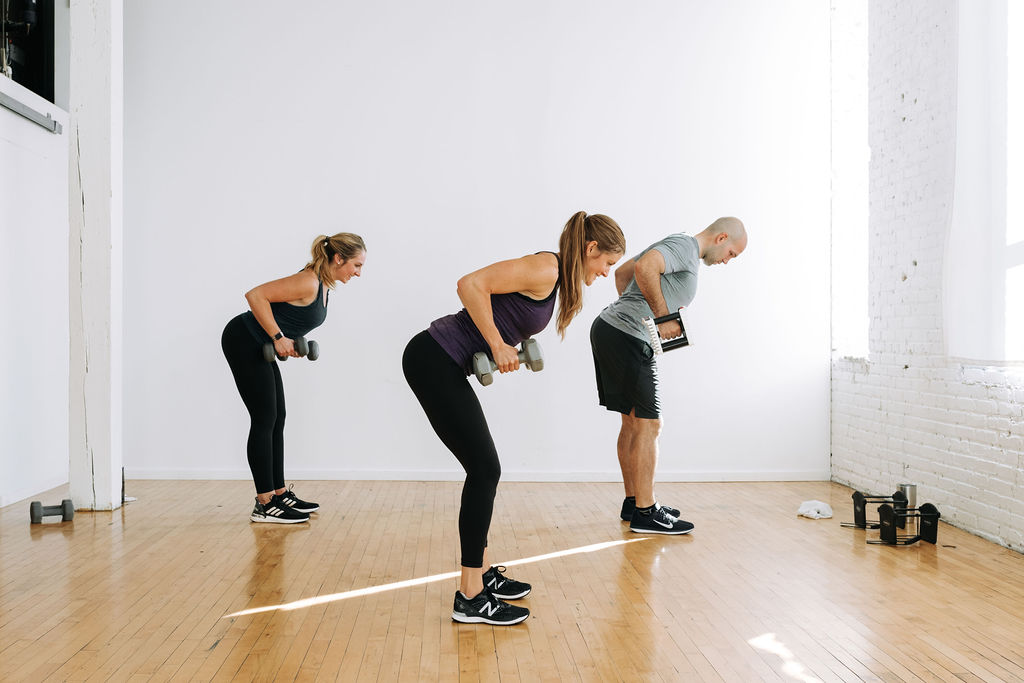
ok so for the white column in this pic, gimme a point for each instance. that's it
(96, 268)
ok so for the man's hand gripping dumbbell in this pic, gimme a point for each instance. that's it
(667, 332)
(303, 349)
(529, 355)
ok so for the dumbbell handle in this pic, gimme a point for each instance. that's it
(654, 336)
(522, 361)
(481, 361)
(306, 349)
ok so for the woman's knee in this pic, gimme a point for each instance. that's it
(484, 473)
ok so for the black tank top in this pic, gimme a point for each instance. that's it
(294, 321)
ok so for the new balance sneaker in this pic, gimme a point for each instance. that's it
(276, 512)
(658, 521)
(486, 609)
(629, 504)
(296, 503)
(504, 587)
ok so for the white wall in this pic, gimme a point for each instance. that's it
(451, 135)
(33, 300)
(909, 412)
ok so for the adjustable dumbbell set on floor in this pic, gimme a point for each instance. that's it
(36, 511)
(306, 349)
(897, 511)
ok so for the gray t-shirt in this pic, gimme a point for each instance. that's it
(678, 285)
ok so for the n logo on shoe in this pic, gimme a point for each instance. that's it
(490, 609)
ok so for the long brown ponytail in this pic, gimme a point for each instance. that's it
(579, 231)
(348, 244)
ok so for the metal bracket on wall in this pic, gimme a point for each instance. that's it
(46, 121)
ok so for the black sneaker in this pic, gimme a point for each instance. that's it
(629, 504)
(504, 587)
(486, 609)
(658, 521)
(277, 512)
(296, 503)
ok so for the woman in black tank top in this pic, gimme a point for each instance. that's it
(280, 311)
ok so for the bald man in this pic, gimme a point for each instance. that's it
(660, 280)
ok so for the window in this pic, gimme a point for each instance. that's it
(26, 44)
(984, 279)
(850, 160)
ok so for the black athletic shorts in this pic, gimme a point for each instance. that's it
(627, 374)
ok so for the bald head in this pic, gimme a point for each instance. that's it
(733, 227)
(722, 241)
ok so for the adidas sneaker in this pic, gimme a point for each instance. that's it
(276, 511)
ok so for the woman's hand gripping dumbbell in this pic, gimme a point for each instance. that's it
(529, 355)
(671, 328)
(304, 349)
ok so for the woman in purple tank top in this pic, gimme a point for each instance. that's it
(505, 303)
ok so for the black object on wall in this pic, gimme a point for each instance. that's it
(26, 41)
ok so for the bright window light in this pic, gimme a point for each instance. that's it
(850, 160)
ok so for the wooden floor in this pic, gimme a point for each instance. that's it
(154, 591)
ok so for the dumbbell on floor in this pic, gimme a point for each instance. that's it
(898, 501)
(529, 355)
(890, 518)
(36, 511)
(306, 349)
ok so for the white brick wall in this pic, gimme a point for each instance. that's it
(909, 413)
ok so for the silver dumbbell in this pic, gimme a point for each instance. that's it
(529, 355)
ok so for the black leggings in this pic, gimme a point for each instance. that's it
(259, 383)
(455, 414)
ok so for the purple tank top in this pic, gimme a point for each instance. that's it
(516, 316)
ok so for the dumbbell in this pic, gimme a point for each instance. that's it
(654, 337)
(898, 501)
(308, 349)
(889, 518)
(529, 355)
(36, 511)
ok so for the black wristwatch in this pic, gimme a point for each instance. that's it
(278, 336)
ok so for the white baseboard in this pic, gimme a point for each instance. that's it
(459, 475)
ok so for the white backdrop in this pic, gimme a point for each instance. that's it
(451, 135)
(33, 300)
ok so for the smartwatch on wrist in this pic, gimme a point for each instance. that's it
(278, 335)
